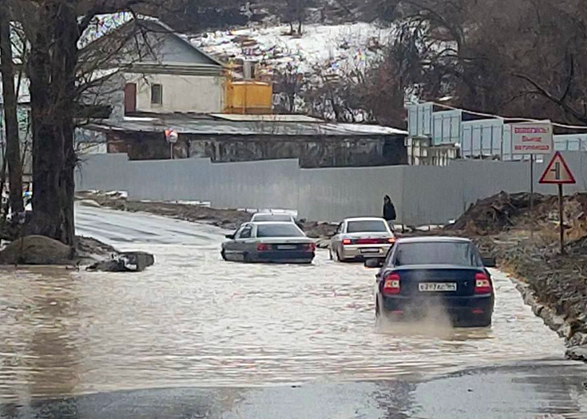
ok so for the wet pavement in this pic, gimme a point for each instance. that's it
(536, 390)
(265, 340)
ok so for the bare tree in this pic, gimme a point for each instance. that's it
(13, 158)
(294, 11)
(288, 83)
(522, 58)
(53, 29)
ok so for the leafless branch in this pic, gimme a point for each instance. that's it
(569, 78)
(545, 93)
(102, 7)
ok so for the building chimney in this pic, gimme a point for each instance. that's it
(248, 70)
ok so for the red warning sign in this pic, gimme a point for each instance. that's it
(557, 171)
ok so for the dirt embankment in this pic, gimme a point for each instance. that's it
(554, 285)
(40, 250)
(511, 212)
(229, 219)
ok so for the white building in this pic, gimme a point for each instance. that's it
(149, 68)
(131, 66)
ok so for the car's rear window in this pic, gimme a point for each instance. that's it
(367, 226)
(279, 230)
(272, 217)
(436, 253)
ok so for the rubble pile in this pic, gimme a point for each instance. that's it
(124, 262)
(318, 230)
(555, 285)
(578, 247)
(36, 250)
(556, 289)
(88, 248)
(510, 212)
(492, 215)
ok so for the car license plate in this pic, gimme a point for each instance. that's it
(287, 247)
(370, 250)
(437, 286)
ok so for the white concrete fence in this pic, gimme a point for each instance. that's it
(422, 194)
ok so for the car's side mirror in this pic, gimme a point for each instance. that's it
(373, 263)
(230, 236)
(489, 262)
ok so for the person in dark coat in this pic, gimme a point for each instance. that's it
(388, 210)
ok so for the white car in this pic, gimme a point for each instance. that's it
(280, 217)
(282, 242)
(361, 238)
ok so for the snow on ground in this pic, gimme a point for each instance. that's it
(322, 49)
(336, 49)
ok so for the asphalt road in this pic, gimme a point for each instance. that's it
(196, 337)
(545, 389)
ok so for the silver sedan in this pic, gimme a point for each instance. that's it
(269, 242)
(361, 238)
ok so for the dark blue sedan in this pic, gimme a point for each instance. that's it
(427, 274)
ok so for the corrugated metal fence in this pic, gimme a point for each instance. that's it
(422, 194)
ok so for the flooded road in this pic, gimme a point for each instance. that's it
(193, 320)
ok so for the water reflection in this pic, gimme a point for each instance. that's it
(40, 331)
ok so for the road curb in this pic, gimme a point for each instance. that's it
(576, 342)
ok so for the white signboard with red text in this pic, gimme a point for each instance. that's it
(532, 138)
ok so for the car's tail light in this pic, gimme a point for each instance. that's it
(311, 247)
(347, 241)
(391, 285)
(262, 247)
(391, 240)
(482, 284)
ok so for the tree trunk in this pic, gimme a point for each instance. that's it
(48, 158)
(47, 147)
(3, 209)
(65, 71)
(52, 64)
(10, 112)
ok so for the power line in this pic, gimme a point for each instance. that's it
(488, 115)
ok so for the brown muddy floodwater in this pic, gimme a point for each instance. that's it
(195, 320)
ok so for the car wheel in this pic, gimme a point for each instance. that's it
(247, 258)
(330, 254)
(223, 254)
(339, 258)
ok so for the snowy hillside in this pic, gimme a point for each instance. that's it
(325, 49)
(337, 49)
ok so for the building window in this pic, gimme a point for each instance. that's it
(156, 94)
